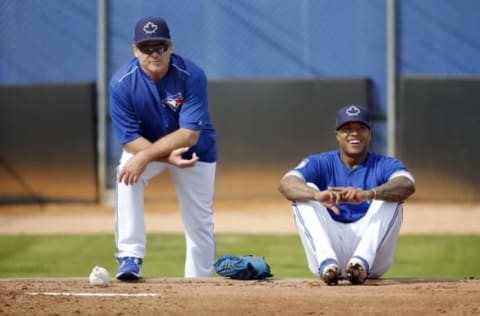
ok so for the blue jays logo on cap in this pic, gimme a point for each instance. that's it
(151, 28)
(352, 113)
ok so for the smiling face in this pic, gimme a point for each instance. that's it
(353, 139)
(154, 57)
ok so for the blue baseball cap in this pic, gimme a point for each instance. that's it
(151, 28)
(352, 113)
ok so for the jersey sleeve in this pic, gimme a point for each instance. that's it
(309, 169)
(122, 112)
(195, 106)
(392, 168)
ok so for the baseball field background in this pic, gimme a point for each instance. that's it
(277, 71)
(47, 252)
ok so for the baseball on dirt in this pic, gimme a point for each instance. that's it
(99, 277)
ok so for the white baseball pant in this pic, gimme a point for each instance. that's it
(195, 188)
(372, 238)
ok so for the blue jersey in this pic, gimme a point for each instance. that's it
(327, 170)
(141, 107)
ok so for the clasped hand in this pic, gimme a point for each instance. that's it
(135, 166)
(337, 195)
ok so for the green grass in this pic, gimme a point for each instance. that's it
(437, 256)
(417, 256)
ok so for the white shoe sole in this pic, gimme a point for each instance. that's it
(356, 272)
(331, 274)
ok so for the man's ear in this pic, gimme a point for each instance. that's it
(337, 137)
(135, 50)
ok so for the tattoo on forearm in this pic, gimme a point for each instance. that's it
(293, 190)
(302, 192)
(396, 190)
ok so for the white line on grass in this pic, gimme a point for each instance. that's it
(94, 294)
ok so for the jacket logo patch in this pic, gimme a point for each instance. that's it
(173, 101)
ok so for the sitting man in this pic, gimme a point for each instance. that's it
(348, 203)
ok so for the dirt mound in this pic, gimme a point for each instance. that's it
(219, 296)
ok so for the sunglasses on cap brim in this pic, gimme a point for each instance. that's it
(149, 49)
